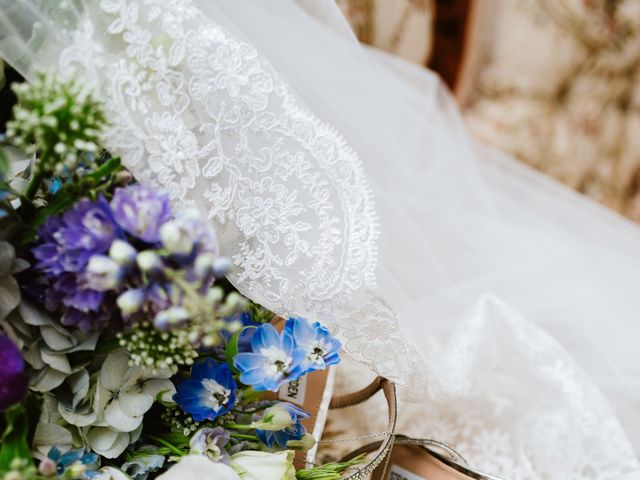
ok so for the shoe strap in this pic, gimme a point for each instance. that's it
(383, 447)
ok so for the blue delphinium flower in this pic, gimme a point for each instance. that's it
(63, 461)
(209, 392)
(141, 211)
(65, 246)
(320, 349)
(273, 360)
(280, 423)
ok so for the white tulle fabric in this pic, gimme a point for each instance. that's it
(344, 188)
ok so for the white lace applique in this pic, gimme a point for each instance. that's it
(205, 116)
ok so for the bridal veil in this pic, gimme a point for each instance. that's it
(345, 189)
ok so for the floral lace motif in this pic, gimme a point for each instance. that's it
(204, 115)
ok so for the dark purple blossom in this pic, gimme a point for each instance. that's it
(13, 381)
(140, 211)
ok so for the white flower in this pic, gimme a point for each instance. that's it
(110, 473)
(199, 467)
(125, 393)
(254, 465)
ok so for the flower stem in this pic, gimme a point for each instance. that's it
(237, 426)
(34, 185)
(161, 441)
(244, 436)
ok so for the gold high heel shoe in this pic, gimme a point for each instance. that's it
(421, 459)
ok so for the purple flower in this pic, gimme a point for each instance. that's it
(13, 381)
(140, 211)
(66, 244)
(211, 442)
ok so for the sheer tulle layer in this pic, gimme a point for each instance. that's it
(516, 295)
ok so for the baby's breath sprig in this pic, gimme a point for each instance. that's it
(60, 122)
(151, 348)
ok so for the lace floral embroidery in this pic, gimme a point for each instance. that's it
(202, 114)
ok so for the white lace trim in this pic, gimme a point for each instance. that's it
(202, 114)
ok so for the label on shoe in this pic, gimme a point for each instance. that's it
(399, 473)
(294, 392)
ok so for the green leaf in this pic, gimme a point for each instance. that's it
(232, 347)
(4, 162)
(107, 168)
(15, 443)
(60, 203)
(232, 350)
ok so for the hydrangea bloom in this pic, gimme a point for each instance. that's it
(66, 244)
(209, 392)
(320, 349)
(13, 382)
(272, 361)
(294, 430)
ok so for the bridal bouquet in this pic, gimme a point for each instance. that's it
(123, 352)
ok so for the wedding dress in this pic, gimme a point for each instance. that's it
(345, 189)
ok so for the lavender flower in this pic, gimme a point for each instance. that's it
(66, 246)
(141, 211)
(13, 381)
(211, 442)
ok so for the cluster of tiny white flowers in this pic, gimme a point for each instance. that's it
(61, 122)
(151, 348)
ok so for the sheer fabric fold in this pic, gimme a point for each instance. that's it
(345, 188)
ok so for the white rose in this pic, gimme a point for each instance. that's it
(255, 465)
(199, 467)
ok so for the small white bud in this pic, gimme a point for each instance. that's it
(131, 300)
(149, 261)
(103, 273)
(171, 317)
(175, 239)
(122, 252)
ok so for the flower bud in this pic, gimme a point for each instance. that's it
(170, 318)
(307, 442)
(214, 295)
(176, 239)
(103, 273)
(274, 419)
(131, 301)
(149, 261)
(77, 469)
(204, 265)
(122, 252)
(221, 267)
(47, 468)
